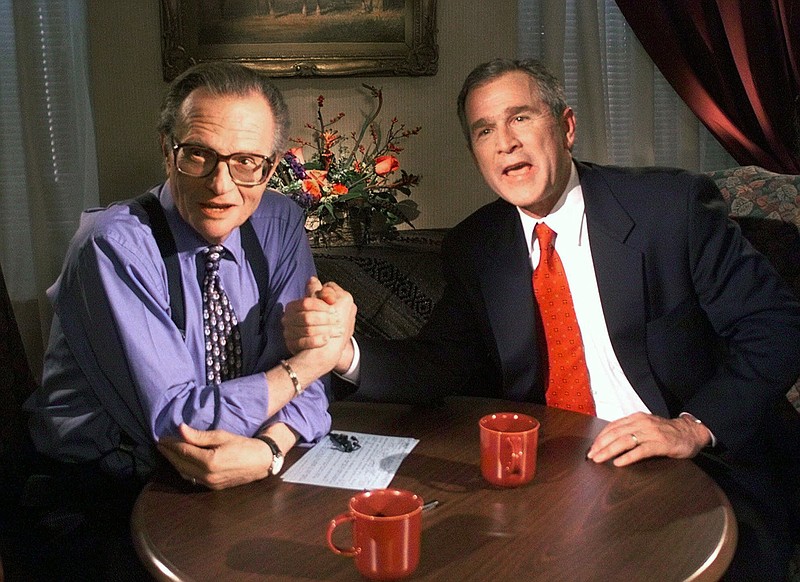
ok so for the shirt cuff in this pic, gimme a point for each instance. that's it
(307, 415)
(692, 417)
(353, 373)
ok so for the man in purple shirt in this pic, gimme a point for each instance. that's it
(122, 382)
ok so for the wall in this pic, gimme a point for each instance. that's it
(127, 86)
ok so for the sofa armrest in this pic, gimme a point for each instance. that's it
(395, 283)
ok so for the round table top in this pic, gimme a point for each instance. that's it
(660, 519)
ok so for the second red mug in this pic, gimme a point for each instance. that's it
(509, 442)
(387, 525)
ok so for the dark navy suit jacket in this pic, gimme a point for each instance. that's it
(700, 322)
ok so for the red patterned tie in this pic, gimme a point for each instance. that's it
(567, 377)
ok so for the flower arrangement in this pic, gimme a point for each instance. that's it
(350, 187)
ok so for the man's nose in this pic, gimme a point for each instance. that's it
(507, 140)
(220, 179)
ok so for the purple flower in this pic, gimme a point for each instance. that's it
(295, 165)
(303, 199)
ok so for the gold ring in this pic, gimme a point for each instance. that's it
(635, 440)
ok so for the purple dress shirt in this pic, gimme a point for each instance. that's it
(118, 375)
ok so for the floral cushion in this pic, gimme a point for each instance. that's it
(767, 206)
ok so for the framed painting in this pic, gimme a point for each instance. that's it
(302, 38)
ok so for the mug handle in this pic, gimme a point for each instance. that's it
(517, 452)
(334, 523)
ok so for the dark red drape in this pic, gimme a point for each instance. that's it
(736, 63)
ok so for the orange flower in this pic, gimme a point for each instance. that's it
(339, 189)
(386, 165)
(320, 176)
(312, 187)
(329, 138)
(315, 182)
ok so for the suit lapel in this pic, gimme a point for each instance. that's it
(619, 268)
(505, 278)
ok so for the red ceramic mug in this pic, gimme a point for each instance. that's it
(387, 525)
(509, 441)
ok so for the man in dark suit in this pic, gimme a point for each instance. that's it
(688, 335)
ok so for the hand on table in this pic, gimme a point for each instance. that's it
(217, 459)
(641, 435)
(327, 312)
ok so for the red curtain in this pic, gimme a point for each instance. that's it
(736, 63)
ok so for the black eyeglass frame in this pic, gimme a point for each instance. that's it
(266, 164)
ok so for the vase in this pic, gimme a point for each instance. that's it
(350, 233)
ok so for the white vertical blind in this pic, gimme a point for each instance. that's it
(48, 167)
(627, 113)
(14, 211)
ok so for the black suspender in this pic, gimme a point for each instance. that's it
(169, 253)
(253, 253)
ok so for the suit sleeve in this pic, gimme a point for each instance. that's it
(755, 313)
(448, 355)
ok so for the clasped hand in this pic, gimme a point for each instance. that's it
(327, 312)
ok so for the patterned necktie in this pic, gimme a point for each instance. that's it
(220, 326)
(566, 374)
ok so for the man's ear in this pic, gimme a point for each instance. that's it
(277, 157)
(166, 150)
(568, 123)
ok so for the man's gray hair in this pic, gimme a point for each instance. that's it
(550, 88)
(224, 79)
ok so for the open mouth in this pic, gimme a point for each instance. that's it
(215, 208)
(518, 169)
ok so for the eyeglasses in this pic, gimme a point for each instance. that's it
(344, 443)
(198, 162)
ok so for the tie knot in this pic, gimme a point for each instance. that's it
(544, 235)
(213, 255)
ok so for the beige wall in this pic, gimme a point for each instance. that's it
(127, 86)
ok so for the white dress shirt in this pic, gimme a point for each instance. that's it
(614, 397)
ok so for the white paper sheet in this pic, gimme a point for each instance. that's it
(372, 466)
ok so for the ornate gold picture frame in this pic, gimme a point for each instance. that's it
(302, 38)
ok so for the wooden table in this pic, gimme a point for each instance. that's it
(660, 519)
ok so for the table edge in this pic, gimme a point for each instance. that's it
(155, 562)
(718, 562)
